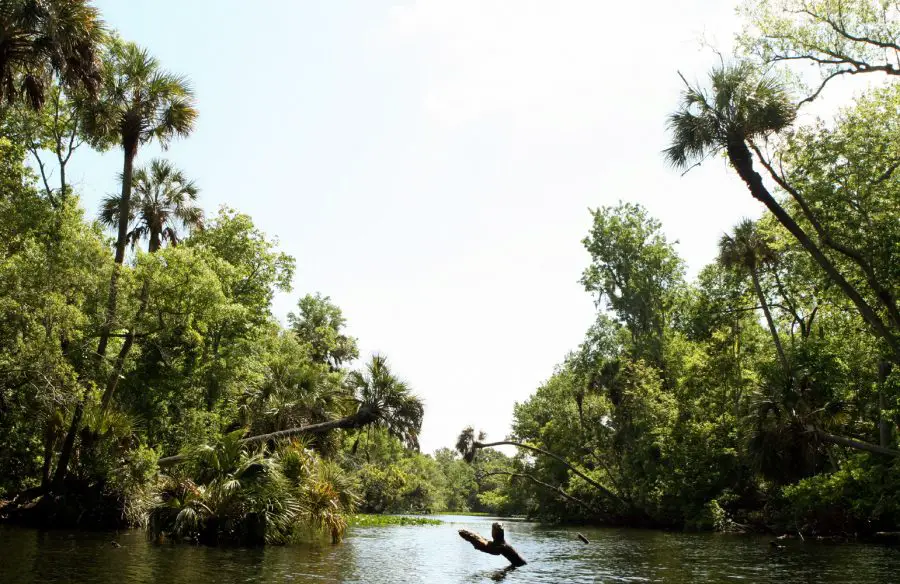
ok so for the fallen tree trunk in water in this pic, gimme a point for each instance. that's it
(496, 547)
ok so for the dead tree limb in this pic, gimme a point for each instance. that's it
(496, 547)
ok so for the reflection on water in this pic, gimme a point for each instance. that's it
(435, 554)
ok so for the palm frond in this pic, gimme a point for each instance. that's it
(741, 104)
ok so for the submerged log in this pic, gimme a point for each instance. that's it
(496, 547)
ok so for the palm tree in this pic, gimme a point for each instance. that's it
(380, 399)
(746, 250)
(741, 107)
(233, 494)
(165, 203)
(385, 401)
(41, 38)
(165, 199)
(139, 103)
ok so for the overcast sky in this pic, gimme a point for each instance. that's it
(431, 163)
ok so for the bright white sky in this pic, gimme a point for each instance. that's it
(431, 163)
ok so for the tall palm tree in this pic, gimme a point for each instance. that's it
(165, 203)
(41, 38)
(165, 200)
(743, 106)
(746, 250)
(139, 102)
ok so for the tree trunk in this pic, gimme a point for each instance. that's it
(62, 466)
(155, 241)
(496, 547)
(606, 492)
(48, 462)
(357, 420)
(884, 426)
(851, 443)
(772, 329)
(556, 489)
(116, 374)
(881, 292)
(119, 365)
(742, 161)
(130, 147)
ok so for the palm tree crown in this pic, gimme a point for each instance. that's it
(139, 101)
(740, 105)
(39, 38)
(165, 203)
(746, 249)
(387, 401)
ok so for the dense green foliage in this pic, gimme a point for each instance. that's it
(112, 364)
(764, 392)
(368, 520)
(155, 386)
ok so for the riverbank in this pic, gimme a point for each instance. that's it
(373, 520)
(435, 554)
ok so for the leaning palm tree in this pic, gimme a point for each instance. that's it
(386, 401)
(746, 250)
(164, 205)
(740, 107)
(379, 399)
(44, 38)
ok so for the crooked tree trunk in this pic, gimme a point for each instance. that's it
(606, 492)
(119, 364)
(883, 294)
(765, 308)
(852, 443)
(496, 547)
(556, 489)
(48, 462)
(742, 161)
(357, 420)
(62, 465)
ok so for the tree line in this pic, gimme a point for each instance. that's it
(143, 377)
(762, 394)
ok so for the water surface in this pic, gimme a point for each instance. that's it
(436, 554)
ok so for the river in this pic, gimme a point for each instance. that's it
(436, 554)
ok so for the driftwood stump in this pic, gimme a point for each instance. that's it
(496, 547)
